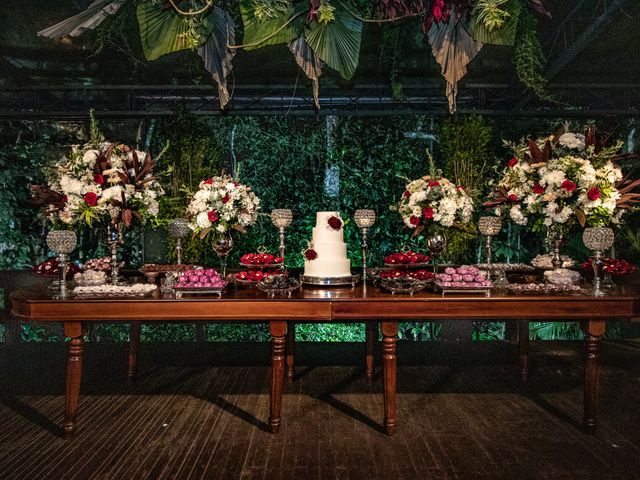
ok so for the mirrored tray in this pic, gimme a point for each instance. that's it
(486, 291)
(180, 291)
(544, 289)
(506, 267)
(404, 285)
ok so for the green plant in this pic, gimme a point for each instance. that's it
(529, 58)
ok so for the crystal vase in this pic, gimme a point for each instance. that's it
(223, 245)
(436, 244)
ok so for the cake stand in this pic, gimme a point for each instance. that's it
(330, 281)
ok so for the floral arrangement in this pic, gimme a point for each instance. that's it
(614, 266)
(220, 205)
(567, 177)
(97, 181)
(434, 200)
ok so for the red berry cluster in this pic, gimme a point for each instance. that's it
(415, 274)
(406, 258)
(260, 259)
(254, 275)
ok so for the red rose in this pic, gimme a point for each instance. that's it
(208, 181)
(538, 189)
(512, 162)
(310, 254)
(594, 194)
(428, 213)
(512, 198)
(334, 222)
(226, 198)
(568, 185)
(99, 179)
(434, 183)
(413, 220)
(91, 198)
(460, 187)
(213, 216)
(406, 194)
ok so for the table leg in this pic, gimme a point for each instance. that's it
(201, 329)
(523, 344)
(371, 337)
(290, 350)
(134, 344)
(278, 332)
(389, 335)
(593, 331)
(75, 332)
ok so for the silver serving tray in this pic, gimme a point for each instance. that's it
(330, 281)
(486, 291)
(506, 267)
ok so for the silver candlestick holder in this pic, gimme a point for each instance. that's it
(597, 239)
(62, 242)
(281, 218)
(365, 219)
(179, 229)
(113, 238)
(489, 227)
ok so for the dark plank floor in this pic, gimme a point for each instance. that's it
(199, 411)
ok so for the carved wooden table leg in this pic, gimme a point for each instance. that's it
(278, 333)
(523, 344)
(372, 334)
(75, 332)
(389, 334)
(291, 350)
(134, 344)
(593, 331)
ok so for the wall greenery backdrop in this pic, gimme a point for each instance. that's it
(305, 164)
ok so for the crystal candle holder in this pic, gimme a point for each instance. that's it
(179, 229)
(281, 218)
(62, 242)
(365, 218)
(597, 239)
(490, 227)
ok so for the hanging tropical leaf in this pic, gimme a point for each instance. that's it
(453, 48)
(309, 63)
(88, 19)
(503, 35)
(163, 31)
(337, 43)
(270, 22)
(215, 52)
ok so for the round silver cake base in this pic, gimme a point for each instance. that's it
(330, 281)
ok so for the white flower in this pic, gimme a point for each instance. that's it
(574, 141)
(202, 220)
(90, 157)
(517, 216)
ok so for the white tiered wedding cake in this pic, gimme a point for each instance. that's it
(327, 254)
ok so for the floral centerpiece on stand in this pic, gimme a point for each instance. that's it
(219, 207)
(98, 182)
(554, 182)
(434, 201)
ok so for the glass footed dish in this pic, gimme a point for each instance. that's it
(281, 285)
(406, 285)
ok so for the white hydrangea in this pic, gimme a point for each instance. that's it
(574, 141)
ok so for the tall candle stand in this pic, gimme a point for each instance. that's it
(179, 229)
(113, 237)
(365, 219)
(62, 242)
(490, 227)
(281, 218)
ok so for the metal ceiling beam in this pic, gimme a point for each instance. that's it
(591, 33)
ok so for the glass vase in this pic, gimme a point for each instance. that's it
(62, 242)
(223, 245)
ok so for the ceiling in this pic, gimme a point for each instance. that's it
(592, 49)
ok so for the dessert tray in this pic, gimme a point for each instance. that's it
(543, 261)
(330, 281)
(180, 291)
(447, 289)
(506, 267)
(199, 281)
(100, 291)
(406, 259)
(261, 260)
(544, 288)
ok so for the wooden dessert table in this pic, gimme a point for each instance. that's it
(359, 304)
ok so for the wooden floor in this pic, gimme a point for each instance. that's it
(200, 412)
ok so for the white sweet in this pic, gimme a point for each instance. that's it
(329, 244)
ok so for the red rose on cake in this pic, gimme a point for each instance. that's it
(334, 222)
(310, 254)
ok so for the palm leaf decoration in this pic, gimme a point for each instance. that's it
(503, 35)
(215, 52)
(309, 63)
(88, 19)
(337, 42)
(282, 24)
(163, 31)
